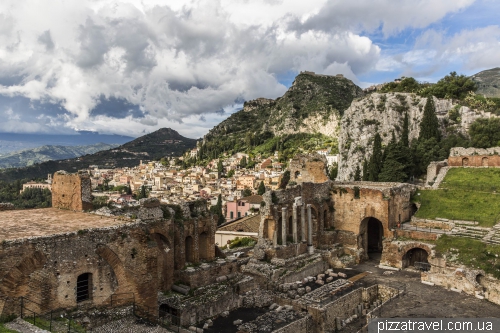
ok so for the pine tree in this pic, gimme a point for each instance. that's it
(262, 188)
(429, 127)
(376, 160)
(143, 193)
(357, 174)
(365, 170)
(219, 210)
(333, 171)
(406, 132)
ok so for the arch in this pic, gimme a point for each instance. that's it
(480, 279)
(162, 241)
(371, 232)
(203, 245)
(484, 161)
(84, 287)
(165, 260)
(188, 246)
(114, 262)
(297, 175)
(19, 275)
(413, 255)
(465, 161)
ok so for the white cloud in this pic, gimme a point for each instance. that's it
(188, 59)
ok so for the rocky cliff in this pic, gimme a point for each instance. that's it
(384, 113)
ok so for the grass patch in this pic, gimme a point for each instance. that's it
(464, 194)
(471, 253)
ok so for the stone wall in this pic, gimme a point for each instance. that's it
(309, 270)
(299, 326)
(71, 191)
(394, 251)
(474, 157)
(308, 169)
(432, 224)
(124, 262)
(6, 206)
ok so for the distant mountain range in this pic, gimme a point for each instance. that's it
(11, 142)
(48, 152)
(152, 146)
(488, 82)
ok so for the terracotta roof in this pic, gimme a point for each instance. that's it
(246, 224)
(253, 199)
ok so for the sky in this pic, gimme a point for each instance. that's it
(131, 67)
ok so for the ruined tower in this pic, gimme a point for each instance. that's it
(71, 191)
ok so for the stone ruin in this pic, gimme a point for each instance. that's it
(168, 270)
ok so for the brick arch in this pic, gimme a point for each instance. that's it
(165, 260)
(371, 233)
(408, 247)
(116, 265)
(18, 276)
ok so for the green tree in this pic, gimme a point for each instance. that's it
(247, 192)
(220, 168)
(451, 86)
(333, 171)
(230, 173)
(217, 210)
(406, 131)
(243, 162)
(357, 174)
(365, 170)
(397, 162)
(285, 179)
(262, 188)
(376, 159)
(485, 132)
(142, 193)
(129, 190)
(429, 127)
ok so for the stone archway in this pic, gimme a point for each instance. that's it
(165, 260)
(484, 161)
(465, 161)
(414, 255)
(370, 236)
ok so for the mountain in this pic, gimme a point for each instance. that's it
(152, 146)
(488, 82)
(48, 152)
(310, 109)
(11, 142)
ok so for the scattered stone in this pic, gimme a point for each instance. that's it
(308, 289)
(273, 306)
(225, 314)
(237, 322)
(320, 282)
(388, 273)
(301, 291)
(342, 275)
(332, 274)
(292, 293)
(330, 279)
(279, 308)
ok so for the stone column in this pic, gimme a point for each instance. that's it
(310, 248)
(303, 221)
(294, 223)
(283, 225)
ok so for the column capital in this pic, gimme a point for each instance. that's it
(308, 205)
(284, 209)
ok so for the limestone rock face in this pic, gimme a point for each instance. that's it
(384, 113)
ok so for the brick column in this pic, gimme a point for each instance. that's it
(283, 226)
(295, 223)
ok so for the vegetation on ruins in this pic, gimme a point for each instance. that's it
(333, 171)
(470, 252)
(464, 194)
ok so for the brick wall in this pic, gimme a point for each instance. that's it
(71, 191)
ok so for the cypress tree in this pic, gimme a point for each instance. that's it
(376, 160)
(429, 127)
(365, 170)
(406, 132)
(357, 174)
(262, 188)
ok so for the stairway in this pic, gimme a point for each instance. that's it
(466, 230)
(439, 178)
(493, 236)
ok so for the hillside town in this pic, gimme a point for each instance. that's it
(168, 181)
